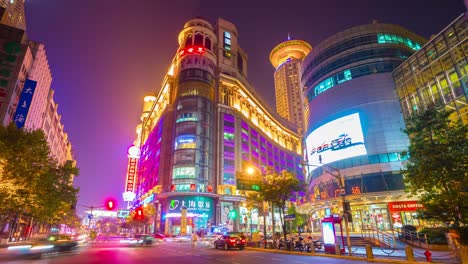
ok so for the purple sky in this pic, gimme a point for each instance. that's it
(106, 55)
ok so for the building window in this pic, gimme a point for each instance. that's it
(227, 44)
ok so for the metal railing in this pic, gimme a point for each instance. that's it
(383, 237)
(413, 237)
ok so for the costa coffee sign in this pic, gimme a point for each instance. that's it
(404, 206)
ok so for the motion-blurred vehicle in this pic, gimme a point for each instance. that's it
(229, 241)
(138, 240)
(159, 236)
(55, 243)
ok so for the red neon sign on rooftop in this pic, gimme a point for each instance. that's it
(191, 50)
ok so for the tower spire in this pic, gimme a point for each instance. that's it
(289, 36)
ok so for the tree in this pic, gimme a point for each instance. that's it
(278, 188)
(32, 184)
(437, 167)
(148, 216)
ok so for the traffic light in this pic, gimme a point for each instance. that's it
(232, 214)
(139, 215)
(110, 204)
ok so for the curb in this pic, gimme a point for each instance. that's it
(379, 260)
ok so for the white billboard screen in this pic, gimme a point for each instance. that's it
(336, 140)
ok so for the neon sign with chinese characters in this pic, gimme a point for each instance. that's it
(196, 205)
(191, 50)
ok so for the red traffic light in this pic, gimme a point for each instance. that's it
(139, 213)
(110, 204)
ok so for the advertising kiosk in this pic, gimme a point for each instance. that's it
(329, 227)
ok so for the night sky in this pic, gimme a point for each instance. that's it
(106, 55)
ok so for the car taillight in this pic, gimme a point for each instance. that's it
(232, 241)
(243, 240)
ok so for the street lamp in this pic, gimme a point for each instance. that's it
(251, 170)
(341, 182)
(249, 214)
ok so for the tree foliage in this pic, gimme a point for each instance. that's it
(437, 167)
(278, 188)
(31, 182)
(148, 215)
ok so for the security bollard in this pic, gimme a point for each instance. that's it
(369, 253)
(337, 249)
(409, 253)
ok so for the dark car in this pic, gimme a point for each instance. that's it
(229, 241)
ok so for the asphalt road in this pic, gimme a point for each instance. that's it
(176, 252)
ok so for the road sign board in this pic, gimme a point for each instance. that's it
(90, 216)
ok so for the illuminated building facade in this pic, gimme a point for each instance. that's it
(437, 74)
(286, 58)
(201, 132)
(40, 73)
(57, 138)
(16, 62)
(12, 13)
(354, 125)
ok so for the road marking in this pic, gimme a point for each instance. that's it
(258, 257)
(299, 261)
(275, 259)
(236, 263)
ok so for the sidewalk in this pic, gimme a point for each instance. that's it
(380, 255)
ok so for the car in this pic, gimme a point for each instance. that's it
(159, 236)
(55, 243)
(62, 242)
(138, 240)
(229, 242)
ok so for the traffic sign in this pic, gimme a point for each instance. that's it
(90, 216)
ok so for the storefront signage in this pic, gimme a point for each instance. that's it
(199, 205)
(131, 172)
(24, 103)
(404, 206)
(197, 61)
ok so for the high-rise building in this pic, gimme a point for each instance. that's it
(437, 74)
(13, 13)
(355, 126)
(202, 131)
(16, 61)
(286, 58)
(57, 138)
(40, 73)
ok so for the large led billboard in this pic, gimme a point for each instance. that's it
(336, 140)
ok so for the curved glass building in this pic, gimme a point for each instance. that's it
(353, 125)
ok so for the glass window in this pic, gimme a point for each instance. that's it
(188, 42)
(393, 156)
(456, 86)
(208, 43)
(373, 159)
(198, 39)
(383, 157)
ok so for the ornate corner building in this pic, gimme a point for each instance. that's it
(202, 130)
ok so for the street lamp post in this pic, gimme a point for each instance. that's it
(341, 181)
(251, 170)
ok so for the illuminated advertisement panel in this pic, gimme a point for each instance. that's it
(336, 140)
(328, 233)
